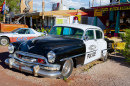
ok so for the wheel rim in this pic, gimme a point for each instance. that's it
(66, 68)
(4, 41)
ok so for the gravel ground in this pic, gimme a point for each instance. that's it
(114, 72)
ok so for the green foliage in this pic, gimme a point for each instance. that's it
(13, 5)
(126, 51)
(43, 29)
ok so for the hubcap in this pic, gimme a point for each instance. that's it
(4, 41)
(66, 68)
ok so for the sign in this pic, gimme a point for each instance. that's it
(26, 6)
(59, 21)
(125, 8)
(104, 9)
(97, 12)
(79, 17)
(114, 8)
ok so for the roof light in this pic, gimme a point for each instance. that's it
(76, 20)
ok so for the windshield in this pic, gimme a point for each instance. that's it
(67, 31)
(15, 30)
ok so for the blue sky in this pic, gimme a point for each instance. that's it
(71, 3)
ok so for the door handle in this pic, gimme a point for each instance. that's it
(95, 39)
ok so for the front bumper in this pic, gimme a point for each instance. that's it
(32, 69)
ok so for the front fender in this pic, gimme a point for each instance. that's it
(68, 52)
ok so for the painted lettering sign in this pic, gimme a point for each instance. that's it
(125, 8)
(22, 39)
(114, 8)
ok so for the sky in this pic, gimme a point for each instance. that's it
(71, 3)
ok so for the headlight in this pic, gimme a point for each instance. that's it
(11, 48)
(51, 57)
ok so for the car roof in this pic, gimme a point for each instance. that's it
(80, 26)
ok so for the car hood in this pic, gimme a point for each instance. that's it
(42, 45)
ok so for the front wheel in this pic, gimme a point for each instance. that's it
(4, 41)
(67, 68)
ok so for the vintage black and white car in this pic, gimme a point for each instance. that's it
(55, 55)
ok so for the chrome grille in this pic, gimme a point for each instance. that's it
(30, 57)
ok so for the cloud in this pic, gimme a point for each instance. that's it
(71, 3)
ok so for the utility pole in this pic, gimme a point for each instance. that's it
(93, 3)
(4, 12)
(100, 2)
(61, 1)
(43, 6)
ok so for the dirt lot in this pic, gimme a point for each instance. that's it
(114, 72)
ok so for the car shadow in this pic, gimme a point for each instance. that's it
(119, 58)
(3, 57)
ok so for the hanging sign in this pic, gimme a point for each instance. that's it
(79, 17)
(97, 12)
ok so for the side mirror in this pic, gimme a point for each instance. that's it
(45, 33)
(86, 37)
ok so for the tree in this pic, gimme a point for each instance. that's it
(13, 5)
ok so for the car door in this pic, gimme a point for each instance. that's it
(22, 34)
(91, 46)
(100, 42)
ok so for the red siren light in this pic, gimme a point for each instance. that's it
(75, 20)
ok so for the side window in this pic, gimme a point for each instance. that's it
(90, 33)
(98, 34)
(24, 31)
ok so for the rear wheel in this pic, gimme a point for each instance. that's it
(67, 68)
(4, 41)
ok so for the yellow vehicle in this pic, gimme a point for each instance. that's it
(111, 29)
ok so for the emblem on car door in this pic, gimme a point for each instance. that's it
(92, 47)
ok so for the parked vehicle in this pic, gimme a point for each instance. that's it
(20, 34)
(11, 27)
(55, 55)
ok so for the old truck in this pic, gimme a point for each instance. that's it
(11, 27)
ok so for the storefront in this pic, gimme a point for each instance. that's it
(115, 17)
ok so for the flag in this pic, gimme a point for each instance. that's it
(3, 8)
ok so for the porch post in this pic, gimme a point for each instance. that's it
(117, 28)
(95, 21)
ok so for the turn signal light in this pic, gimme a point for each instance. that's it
(41, 61)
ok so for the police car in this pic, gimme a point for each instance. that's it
(55, 55)
(20, 34)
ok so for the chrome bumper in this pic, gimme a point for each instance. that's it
(36, 70)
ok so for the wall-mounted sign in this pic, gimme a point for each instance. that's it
(104, 9)
(97, 12)
(125, 8)
(114, 8)
(26, 6)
